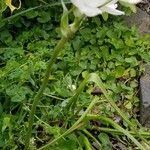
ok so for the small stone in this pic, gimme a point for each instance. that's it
(96, 91)
(145, 97)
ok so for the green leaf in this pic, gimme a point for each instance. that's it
(131, 6)
(119, 71)
(132, 72)
(6, 123)
(69, 143)
(105, 52)
(44, 17)
(106, 144)
(129, 42)
(128, 105)
(105, 16)
(3, 6)
(132, 61)
(17, 93)
(33, 14)
(117, 43)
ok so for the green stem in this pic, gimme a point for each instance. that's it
(54, 97)
(37, 97)
(116, 126)
(74, 126)
(92, 137)
(72, 102)
(86, 142)
(95, 78)
(117, 132)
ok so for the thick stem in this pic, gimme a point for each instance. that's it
(37, 97)
(117, 132)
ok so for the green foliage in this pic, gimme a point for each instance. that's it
(104, 138)
(2, 7)
(111, 49)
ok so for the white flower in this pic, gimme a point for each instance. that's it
(131, 1)
(111, 8)
(95, 7)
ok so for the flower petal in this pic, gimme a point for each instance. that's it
(94, 3)
(86, 9)
(91, 11)
(89, 3)
(94, 7)
(131, 1)
(111, 9)
(112, 2)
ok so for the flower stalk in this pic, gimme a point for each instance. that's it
(37, 97)
(65, 38)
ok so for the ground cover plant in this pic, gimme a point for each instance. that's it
(75, 110)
